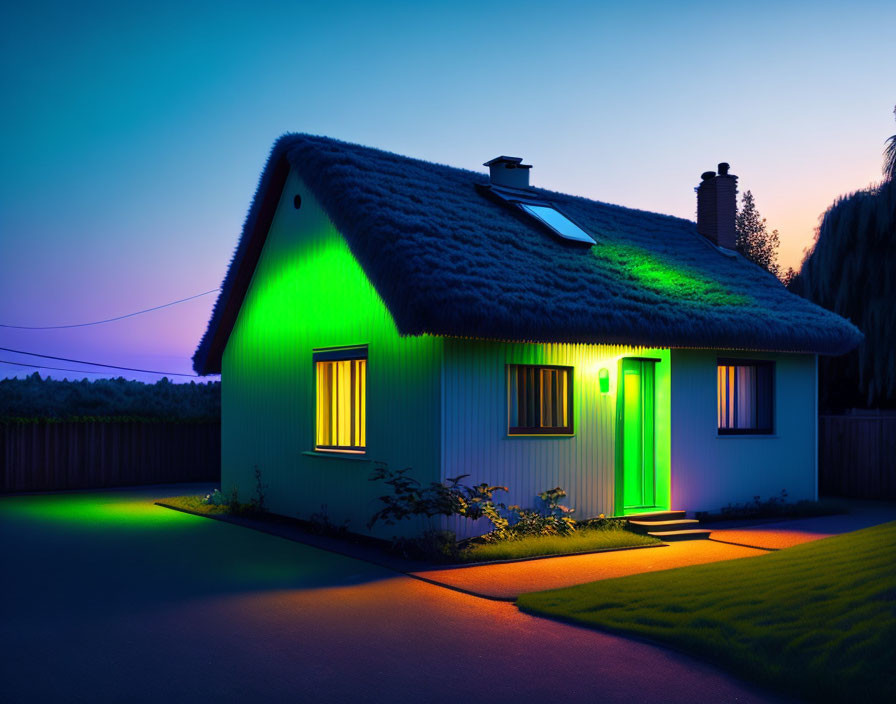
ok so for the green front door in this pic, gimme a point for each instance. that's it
(636, 436)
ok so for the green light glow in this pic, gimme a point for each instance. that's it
(665, 277)
(97, 511)
(309, 293)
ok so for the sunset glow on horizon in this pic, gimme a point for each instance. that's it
(133, 136)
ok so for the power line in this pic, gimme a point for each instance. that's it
(107, 320)
(58, 369)
(95, 364)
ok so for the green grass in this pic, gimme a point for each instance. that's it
(582, 541)
(816, 621)
(194, 504)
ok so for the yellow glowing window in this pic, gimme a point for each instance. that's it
(745, 397)
(341, 383)
(539, 400)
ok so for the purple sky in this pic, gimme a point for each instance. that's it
(133, 136)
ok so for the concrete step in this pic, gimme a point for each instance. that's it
(657, 516)
(690, 534)
(677, 524)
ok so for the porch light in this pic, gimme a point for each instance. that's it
(603, 377)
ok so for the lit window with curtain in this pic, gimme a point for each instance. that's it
(341, 397)
(539, 400)
(745, 397)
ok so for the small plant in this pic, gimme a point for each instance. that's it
(433, 545)
(773, 507)
(256, 504)
(453, 498)
(410, 498)
(216, 498)
(322, 525)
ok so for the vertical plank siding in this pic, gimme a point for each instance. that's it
(308, 292)
(475, 440)
(41, 456)
(709, 470)
(857, 456)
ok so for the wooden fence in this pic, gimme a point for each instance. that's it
(857, 456)
(41, 456)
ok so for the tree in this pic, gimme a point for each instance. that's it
(890, 156)
(753, 239)
(851, 272)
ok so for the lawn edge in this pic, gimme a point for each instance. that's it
(408, 567)
(761, 687)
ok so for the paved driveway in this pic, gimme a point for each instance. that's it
(105, 597)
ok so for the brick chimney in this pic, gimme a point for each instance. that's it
(717, 206)
(508, 172)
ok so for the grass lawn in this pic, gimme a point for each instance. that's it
(817, 620)
(581, 541)
(194, 504)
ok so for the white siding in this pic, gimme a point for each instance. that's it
(309, 292)
(474, 424)
(709, 470)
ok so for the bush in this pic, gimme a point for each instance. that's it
(410, 498)
(453, 498)
(773, 507)
(216, 498)
(434, 545)
(552, 519)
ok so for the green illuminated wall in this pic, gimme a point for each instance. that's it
(308, 291)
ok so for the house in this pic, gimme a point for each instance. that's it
(383, 308)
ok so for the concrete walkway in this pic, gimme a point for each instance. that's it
(783, 534)
(509, 580)
(729, 541)
(106, 597)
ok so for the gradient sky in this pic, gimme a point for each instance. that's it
(132, 135)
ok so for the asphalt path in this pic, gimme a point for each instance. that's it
(105, 597)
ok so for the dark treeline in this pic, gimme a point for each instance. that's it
(852, 271)
(34, 397)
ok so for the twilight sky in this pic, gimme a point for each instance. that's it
(133, 134)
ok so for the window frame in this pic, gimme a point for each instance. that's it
(562, 431)
(772, 376)
(341, 354)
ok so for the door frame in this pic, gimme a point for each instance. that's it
(619, 507)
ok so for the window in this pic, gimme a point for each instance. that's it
(539, 400)
(341, 382)
(557, 222)
(746, 397)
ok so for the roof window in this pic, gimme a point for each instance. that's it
(558, 222)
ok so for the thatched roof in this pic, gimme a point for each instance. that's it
(446, 260)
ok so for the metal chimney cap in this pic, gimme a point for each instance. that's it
(723, 168)
(510, 162)
(708, 175)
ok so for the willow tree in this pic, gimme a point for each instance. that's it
(852, 271)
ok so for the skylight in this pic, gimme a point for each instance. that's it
(558, 222)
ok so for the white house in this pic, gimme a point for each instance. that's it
(382, 308)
